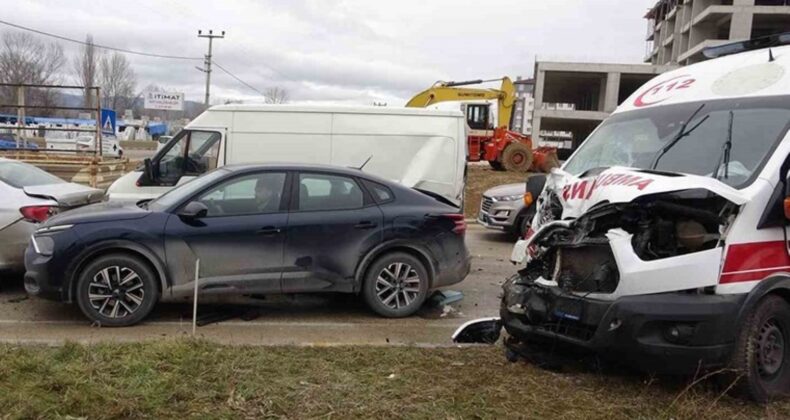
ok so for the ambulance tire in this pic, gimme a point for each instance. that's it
(760, 362)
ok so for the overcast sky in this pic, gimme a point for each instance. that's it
(355, 51)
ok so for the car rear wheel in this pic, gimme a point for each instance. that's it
(396, 285)
(761, 358)
(117, 290)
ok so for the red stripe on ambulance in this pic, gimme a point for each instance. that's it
(754, 261)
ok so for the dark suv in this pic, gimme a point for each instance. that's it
(256, 229)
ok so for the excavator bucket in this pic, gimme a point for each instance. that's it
(544, 159)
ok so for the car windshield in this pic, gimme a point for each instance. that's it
(635, 138)
(21, 175)
(185, 190)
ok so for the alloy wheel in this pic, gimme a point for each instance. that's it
(116, 292)
(398, 285)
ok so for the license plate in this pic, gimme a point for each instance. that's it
(568, 309)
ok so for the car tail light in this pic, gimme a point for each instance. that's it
(36, 214)
(460, 223)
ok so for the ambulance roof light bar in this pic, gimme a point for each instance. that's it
(752, 44)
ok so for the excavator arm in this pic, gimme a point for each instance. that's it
(452, 91)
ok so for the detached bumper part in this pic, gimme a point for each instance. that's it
(674, 333)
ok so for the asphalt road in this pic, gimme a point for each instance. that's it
(299, 320)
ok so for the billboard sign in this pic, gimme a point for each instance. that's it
(168, 101)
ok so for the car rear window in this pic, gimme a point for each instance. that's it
(380, 193)
(21, 175)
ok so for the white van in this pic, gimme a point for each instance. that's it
(424, 149)
(663, 240)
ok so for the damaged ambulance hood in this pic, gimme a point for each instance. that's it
(622, 185)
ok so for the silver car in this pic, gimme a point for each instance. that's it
(504, 208)
(28, 196)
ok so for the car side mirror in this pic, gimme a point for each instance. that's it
(193, 210)
(787, 207)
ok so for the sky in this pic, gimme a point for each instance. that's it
(342, 51)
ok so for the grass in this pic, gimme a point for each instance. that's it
(186, 378)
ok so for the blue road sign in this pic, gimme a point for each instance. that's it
(108, 121)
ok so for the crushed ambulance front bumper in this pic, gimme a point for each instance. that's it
(675, 333)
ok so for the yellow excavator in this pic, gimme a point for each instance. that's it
(497, 144)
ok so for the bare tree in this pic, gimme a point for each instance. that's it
(25, 59)
(276, 95)
(118, 82)
(86, 68)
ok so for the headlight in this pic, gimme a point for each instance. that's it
(509, 197)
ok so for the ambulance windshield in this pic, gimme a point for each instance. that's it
(635, 138)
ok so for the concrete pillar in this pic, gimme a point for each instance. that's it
(540, 81)
(741, 23)
(612, 92)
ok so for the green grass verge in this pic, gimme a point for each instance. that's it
(184, 378)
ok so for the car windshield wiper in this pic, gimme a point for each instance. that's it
(725, 151)
(682, 133)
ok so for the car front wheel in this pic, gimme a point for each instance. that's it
(396, 285)
(117, 290)
(761, 359)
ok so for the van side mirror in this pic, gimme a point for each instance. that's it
(193, 210)
(147, 178)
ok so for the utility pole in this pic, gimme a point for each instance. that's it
(207, 62)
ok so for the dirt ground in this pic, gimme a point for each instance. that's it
(482, 177)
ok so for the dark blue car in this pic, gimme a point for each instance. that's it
(256, 229)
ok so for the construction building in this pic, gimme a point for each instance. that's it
(575, 97)
(678, 30)
(525, 103)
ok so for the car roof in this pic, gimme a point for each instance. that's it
(285, 166)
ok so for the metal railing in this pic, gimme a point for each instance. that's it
(21, 118)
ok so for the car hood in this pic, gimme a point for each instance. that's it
(99, 212)
(507, 189)
(67, 194)
(622, 185)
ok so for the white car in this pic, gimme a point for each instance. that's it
(29, 196)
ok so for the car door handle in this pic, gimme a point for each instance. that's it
(365, 224)
(268, 230)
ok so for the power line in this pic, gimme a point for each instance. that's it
(175, 57)
(24, 28)
(239, 80)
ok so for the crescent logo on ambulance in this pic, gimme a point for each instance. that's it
(664, 90)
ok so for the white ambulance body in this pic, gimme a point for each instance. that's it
(662, 241)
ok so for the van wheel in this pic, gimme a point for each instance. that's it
(396, 285)
(761, 357)
(517, 157)
(117, 290)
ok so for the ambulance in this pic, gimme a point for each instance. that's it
(663, 240)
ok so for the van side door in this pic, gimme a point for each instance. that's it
(189, 154)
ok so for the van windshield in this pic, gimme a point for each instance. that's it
(635, 138)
